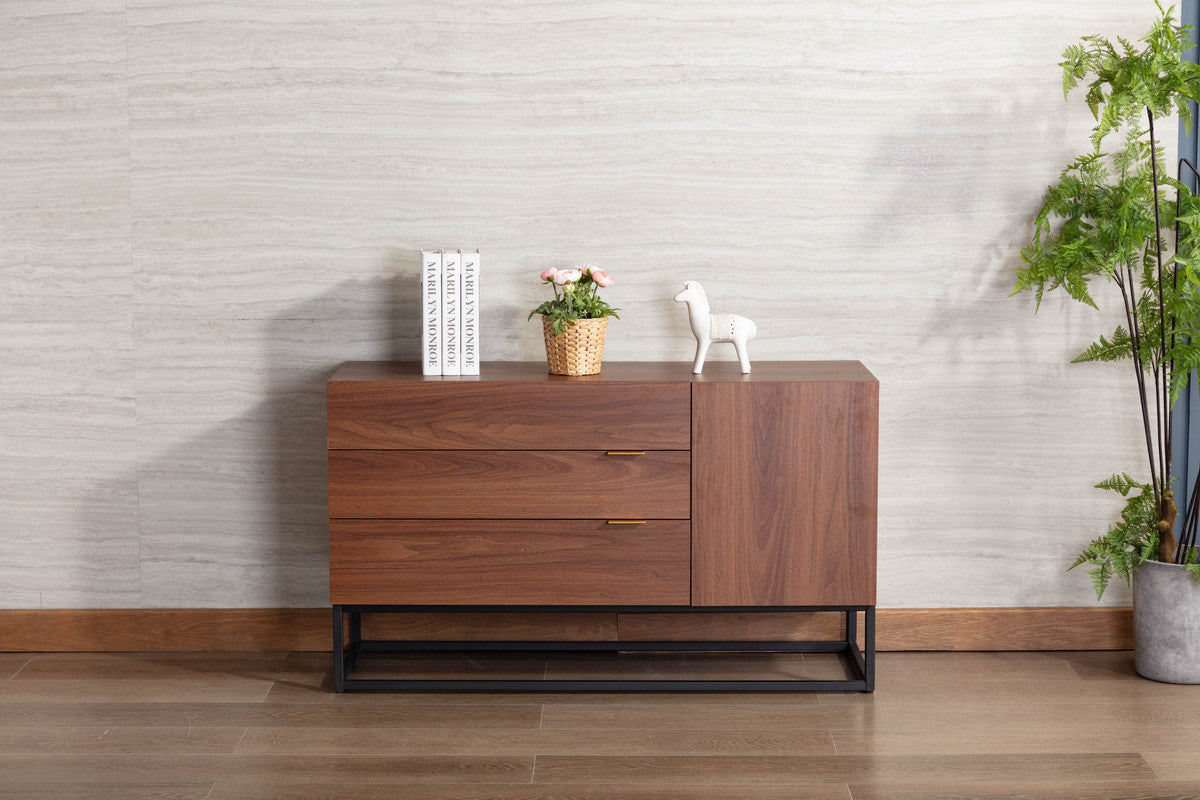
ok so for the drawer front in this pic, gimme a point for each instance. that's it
(497, 484)
(508, 562)
(467, 415)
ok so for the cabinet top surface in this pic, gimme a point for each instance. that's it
(616, 372)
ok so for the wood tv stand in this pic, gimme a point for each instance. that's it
(643, 488)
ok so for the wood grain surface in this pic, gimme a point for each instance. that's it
(613, 372)
(508, 484)
(265, 629)
(508, 562)
(508, 415)
(784, 493)
(1023, 726)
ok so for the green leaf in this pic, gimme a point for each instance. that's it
(1129, 541)
(1121, 483)
(1116, 348)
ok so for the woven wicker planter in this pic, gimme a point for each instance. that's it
(578, 349)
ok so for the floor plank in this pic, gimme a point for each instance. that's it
(259, 726)
(320, 692)
(1178, 763)
(11, 664)
(663, 714)
(89, 790)
(418, 741)
(627, 791)
(971, 738)
(765, 666)
(163, 666)
(1006, 694)
(230, 689)
(346, 771)
(908, 669)
(1004, 790)
(822, 769)
(127, 740)
(1102, 665)
(458, 716)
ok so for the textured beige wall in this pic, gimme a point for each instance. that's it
(207, 206)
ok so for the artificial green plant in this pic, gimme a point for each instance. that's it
(1112, 216)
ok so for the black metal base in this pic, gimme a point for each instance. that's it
(860, 661)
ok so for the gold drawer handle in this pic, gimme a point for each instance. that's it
(625, 453)
(627, 522)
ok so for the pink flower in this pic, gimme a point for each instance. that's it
(568, 288)
(567, 276)
(548, 274)
(600, 277)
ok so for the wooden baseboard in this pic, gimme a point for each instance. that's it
(262, 629)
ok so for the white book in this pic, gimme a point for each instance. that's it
(451, 313)
(431, 313)
(470, 313)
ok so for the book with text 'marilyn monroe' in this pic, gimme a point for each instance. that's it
(469, 313)
(451, 313)
(431, 313)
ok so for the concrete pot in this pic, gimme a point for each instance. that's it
(1166, 623)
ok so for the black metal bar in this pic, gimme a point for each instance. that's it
(857, 661)
(869, 633)
(383, 609)
(371, 646)
(373, 685)
(339, 655)
(861, 662)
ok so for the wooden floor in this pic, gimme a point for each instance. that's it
(254, 726)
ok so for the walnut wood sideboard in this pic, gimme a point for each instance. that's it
(643, 488)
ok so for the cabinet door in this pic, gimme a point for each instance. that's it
(784, 493)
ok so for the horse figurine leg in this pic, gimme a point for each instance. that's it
(701, 352)
(739, 343)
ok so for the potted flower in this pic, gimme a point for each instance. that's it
(1110, 217)
(574, 322)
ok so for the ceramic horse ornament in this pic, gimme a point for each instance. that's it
(709, 328)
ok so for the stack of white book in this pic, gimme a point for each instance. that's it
(450, 312)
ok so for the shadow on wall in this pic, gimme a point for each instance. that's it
(296, 387)
(236, 514)
(981, 395)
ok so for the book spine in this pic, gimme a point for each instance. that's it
(470, 313)
(451, 313)
(431, 313)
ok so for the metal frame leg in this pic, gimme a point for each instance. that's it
(339, 651)
(860, 661)
(869, 633)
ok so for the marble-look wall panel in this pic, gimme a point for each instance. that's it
(233, 194)
(68, 455)
(232, 479)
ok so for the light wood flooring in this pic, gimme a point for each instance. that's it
(255, 726)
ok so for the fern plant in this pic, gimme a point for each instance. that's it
(1129, 541)
(1110, 217)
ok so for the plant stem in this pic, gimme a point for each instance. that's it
(1162, 399)
(1135, 339)
(1161, 373)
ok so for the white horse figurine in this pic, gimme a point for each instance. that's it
(709, 328)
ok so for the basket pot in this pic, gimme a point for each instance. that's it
(578, 349)
(1166, 623)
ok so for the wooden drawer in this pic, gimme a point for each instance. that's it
(465, 415)
(514, 484)
(508, 562)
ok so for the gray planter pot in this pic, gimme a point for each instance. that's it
(1166, 623)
